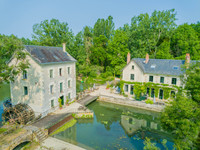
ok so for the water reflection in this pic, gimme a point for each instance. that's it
(115, 127)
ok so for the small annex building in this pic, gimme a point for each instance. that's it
(50, 76)
(159, 75)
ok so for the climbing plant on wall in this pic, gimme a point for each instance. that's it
(141, 88)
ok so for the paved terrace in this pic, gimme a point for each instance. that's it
(111, 97)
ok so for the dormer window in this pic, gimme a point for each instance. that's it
(175, 67)
(153, 66)
(133, 67)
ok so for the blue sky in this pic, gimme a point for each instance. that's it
(18, 16)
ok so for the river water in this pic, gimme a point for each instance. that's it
(4, 94)
(116, 127)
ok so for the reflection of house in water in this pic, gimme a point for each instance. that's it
(143, 128)
(69, 135)
(131, 124)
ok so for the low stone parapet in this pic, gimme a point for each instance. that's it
(131, 103)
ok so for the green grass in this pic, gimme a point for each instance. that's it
(65, 126)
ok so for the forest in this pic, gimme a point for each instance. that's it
(102, 49)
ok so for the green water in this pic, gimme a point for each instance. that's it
(116, 127)
(4, 93)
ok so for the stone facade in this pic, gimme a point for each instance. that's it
(40, 90)
(133, 72)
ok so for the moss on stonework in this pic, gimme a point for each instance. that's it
(65, 126)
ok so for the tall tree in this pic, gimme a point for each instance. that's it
(104, 27)
(117, 51)
(11, 47)
(196, 27)
(88, 39)
(148, 32)
(53, 33)
(185, 40)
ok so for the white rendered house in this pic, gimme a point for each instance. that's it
(161, 72)
(51, 75)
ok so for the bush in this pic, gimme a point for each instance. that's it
(149, 101)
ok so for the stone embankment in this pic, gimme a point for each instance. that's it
(111, 97)
(131, 103)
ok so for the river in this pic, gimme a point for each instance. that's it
(116, 127)
(4, 94)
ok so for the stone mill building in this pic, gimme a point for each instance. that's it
(50, 76)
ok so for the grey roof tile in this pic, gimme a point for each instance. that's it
(45, 54)
(161, 66)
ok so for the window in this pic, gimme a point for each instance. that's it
(61, 87)
(51, 89)
(174, 81)
(68, 70)
(150, 78)
(130, 121)
(51, 73)
(69, 84)
(173, 94)
(24, 74)
(25, 90)
(133, 67)
(132, 77)
(69, 95)
(60, 71)
(162, 79)
(153, 66)
(126, 88)
(52, 103)
(175, 67)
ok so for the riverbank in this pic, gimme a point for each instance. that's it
(107, 96)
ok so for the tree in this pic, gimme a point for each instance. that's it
(191, 80)
(196, 27)
(99, 55)
(117, 51)
(53, 33)
(104, 27)
(148, 32)
(182, 116)
(185, 40)
(88, 39)
(11, 46)
(164, 51)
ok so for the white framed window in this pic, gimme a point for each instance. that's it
(60, 72)
(68, 70)
(25, 90)
(51, 89)
(52, 103)
(51, 73)
(25, 76)
(69, 83)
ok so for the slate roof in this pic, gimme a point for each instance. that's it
(48, 55)
(161, 66)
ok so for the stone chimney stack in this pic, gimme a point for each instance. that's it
(128, 57)
(64, 47)
(187, 58)
(147, 58)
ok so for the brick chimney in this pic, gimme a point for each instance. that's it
(187, 58)
(128, 57)
(64, 47)
(147, 58)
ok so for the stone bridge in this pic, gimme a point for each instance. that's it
(26, 134)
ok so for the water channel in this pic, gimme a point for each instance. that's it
(116, 127)
(4, 94)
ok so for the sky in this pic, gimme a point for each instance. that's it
(18, 16)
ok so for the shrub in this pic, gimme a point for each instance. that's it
(149, 101)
